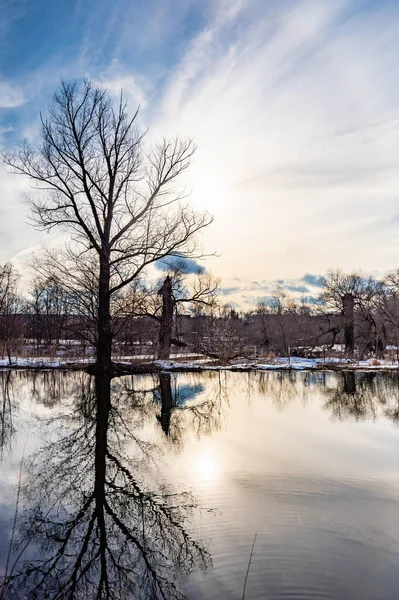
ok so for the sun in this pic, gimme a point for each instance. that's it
(210, 191)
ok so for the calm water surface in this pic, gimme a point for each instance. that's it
(155, 487)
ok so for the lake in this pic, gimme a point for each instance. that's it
(199, 486)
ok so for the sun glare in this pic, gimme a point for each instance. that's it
(210, 192)
(206, 466)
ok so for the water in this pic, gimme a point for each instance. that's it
(154, 487)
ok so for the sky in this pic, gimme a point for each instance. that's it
(293, 104)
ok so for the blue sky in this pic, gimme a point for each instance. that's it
(42, 41)
(294, 105)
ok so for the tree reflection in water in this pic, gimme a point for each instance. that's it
(90, 527)
(354, 398)
(348, 395)
(6, 411)
(94, 522)
(181, 409)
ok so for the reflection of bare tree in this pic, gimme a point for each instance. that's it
(391, 408)
(282, 387)
(6, 410)
(90, 526)
(348, 395)
(45, 387)
(180, 411)
(51, 387)
(355, 397)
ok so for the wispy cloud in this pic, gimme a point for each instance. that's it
(10, 96)
(116, 79)
(294, 111)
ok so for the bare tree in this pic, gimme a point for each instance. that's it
(117, 201)
(388, 307)
(175, 295)
(224, 334)
(351, 293)
(166, 319)
(76, 276)
(9, 306)
(48, 308)
(172, 301)
(281, 306)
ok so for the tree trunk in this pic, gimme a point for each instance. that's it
(348, 303)
(376, 342)
(166, 320)
(104, 332)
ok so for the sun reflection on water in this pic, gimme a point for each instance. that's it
(206, 466)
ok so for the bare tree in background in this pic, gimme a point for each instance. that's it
(281, 306)
(10, 305)
(117, 201)
(225, 335)
(348, 313)
(48, 311)
(178, 295)
(76, 274)
(388, 306)
(166, 318)
(349, 293)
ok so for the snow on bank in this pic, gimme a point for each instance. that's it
(205, 364)
(279, 364)
(43, 362)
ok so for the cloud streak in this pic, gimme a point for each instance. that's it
(294, 111)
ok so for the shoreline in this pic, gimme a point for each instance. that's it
(199, 366)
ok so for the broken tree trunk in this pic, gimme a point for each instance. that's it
(166, 320)
(348, 304)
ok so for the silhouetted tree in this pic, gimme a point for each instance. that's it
(10, 306)
(117, 200)
(349, 293)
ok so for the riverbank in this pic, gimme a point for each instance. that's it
(198, 364)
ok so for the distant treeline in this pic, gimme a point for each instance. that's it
(354, 315)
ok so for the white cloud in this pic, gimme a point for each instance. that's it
(11, 96)
(115, 78)
(15, 233)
